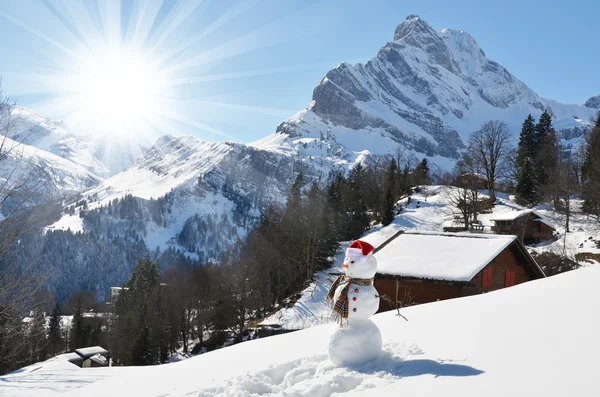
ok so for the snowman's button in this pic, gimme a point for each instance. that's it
(354, 309)
(354, 298)
(356, 290)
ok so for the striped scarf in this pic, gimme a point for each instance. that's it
(340, 307)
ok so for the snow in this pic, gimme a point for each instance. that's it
(447, 256)
(91, 351)
(512, 215)
(172, 162)
(98, 155)
(534, 339)
(356, 343)
(68, 222)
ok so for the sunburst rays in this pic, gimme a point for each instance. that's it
(124, 66)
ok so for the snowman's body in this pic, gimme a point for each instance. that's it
(358, 339)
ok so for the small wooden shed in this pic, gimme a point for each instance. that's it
(89, 357)
(416, 268)
(528, 225)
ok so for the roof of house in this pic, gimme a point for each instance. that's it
(546, 222)
(440, 256)
(512, 215)
(88, 352)
(71, 357)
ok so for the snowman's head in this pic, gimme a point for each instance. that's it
(359, 261)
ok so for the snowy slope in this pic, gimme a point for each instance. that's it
(59, 175)
(424, 92)
(534, 339)
(211, 193)
(431, 216)
(100, 156)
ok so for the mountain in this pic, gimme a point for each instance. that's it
(593, 102)
(193, 195)
(421, 96)
(101, 156)
(425, 91)
(52, 175)
(534, 339)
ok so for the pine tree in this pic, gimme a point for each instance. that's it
(138, 332)
(546, 152)
(421, 175)
(54, 333)
(543, 126)
(356, 202)
(79, 329)
(36, 336)
(591, 172)
(527, 187)
(388, 196)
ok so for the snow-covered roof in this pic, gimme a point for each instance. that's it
(546, 222)
(440, 256)
(71, 357)
(91, 351)
(512, 215)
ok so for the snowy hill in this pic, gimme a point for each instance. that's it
(426, 92)
(429, 213)
(534, 339)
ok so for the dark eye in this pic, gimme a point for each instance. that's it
(351, 261)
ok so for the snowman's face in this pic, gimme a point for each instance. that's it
(357, 265)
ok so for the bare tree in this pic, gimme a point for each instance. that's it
(489, 147)
(464, 198)
(18, 189)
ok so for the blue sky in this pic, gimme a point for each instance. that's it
(249, 65)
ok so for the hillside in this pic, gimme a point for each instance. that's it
(535, 339)
(430, 213)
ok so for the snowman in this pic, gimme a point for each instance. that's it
(357, 340)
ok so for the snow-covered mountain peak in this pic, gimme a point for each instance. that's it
(415, 26)
(593, 102)
(463, 46)
(100, 155)
(424, 92)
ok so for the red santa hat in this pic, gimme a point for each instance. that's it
(360, 247)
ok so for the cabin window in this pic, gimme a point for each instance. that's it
(510, 278)
(487, 278)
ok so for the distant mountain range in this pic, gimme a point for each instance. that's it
(422, 95)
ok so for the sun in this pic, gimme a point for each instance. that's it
(134, 70)
(117, 90)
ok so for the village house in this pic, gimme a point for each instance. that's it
(425, 267)
(472, 181)
(528, 225)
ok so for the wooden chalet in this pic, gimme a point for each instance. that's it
(529, 226)
(472, 180)
(416, 268)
